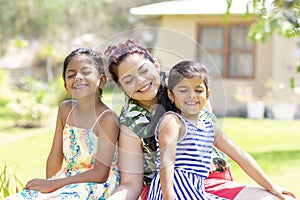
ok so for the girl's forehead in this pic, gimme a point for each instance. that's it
(79, 61)
(193, 81)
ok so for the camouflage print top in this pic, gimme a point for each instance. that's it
(219, 158)
(137, 119)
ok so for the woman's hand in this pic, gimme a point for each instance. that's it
(41, 185)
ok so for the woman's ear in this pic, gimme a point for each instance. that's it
(156, 64)
(171, 95)
(102, 81)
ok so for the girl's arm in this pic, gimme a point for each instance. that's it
(106, 147)
(131, 165)
(168, 134)
(247, 163)
(55, 157)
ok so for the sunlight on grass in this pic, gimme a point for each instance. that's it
(273, 144)
(27, 157)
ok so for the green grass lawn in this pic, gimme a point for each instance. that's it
(274, 144)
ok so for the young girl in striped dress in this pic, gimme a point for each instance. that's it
(185, 143)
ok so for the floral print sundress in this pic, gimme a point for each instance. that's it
(79, 148)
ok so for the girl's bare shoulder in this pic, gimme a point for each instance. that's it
(65, 107)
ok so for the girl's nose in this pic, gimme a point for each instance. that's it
(192, 95)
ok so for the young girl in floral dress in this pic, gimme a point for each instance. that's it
(79, 165)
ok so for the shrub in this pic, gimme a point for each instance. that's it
(9, 183)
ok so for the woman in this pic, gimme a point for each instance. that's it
(136, 72)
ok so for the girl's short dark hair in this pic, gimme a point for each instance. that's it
(187, 69)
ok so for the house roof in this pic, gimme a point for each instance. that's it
(193, 7)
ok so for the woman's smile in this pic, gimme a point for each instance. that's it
(146, 88)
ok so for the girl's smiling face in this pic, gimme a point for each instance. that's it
(81, 78)
(139, 78)
(190, 96)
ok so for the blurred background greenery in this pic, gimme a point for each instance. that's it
(35, 36)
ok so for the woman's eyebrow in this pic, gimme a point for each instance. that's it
(129, 75)
(140, 67)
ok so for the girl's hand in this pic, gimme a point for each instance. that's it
(280, 192)
(41, 185)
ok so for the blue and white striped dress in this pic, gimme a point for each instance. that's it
(192, 163)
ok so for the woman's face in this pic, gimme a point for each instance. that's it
(139, 78)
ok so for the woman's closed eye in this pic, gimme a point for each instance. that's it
(87, 72)
(183, 91)
(69, 76)
(128, 81)
(144, 71)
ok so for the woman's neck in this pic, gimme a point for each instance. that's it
(149, 105)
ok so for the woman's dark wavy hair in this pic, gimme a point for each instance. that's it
(94, 56)
(115, 54)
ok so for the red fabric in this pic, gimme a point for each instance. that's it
(217, 183)
(226, 175)
(144, 193)
(222, 184)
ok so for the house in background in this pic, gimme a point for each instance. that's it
(195, 30)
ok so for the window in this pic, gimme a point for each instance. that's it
(228, 47)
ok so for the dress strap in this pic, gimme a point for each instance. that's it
(71, 112)
(107, 110)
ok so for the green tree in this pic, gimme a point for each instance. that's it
(284, 17)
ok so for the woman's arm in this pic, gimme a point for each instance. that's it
(168, 134)
(108, 131)
(131, 165)
(247, 163)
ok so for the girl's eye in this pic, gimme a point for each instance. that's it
(199, 91)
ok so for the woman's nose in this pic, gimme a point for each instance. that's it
(141, 78)
(79, 76)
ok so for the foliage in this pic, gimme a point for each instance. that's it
(30, 103)
(4, 85)
(280, 15)
(64, 20)
(9, 183)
